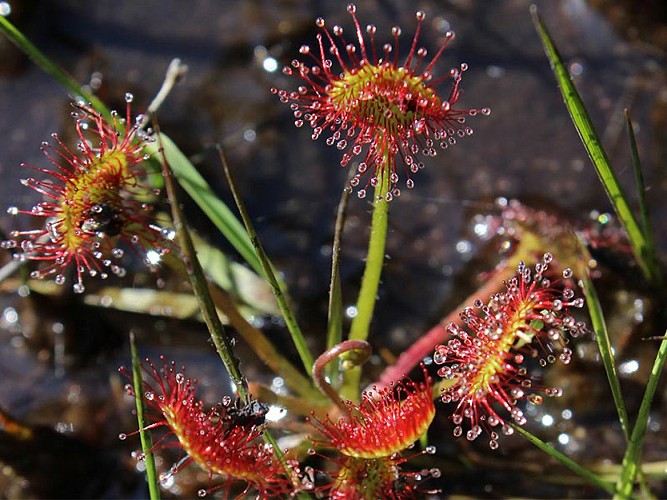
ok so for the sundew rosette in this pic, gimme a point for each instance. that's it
(94, 200)
(368, 104)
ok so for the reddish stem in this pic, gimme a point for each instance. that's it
(363, 352)
(425, 345)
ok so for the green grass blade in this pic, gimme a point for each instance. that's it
(584, 126)
(146, 441)
(281, 297)
(604, 344)
(631, 458)
(643, 207)
(72, 86)
(563, 459)
(335, 313)
(198, 189)
(221, 340)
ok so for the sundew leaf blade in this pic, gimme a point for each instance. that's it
(185, 172)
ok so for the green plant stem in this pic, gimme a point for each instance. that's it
(374, 263)
(567, 462)
(604, 344)
(631, 464)
(200, 191)
(263, 348)
(650, 253)
(370, 281)
(146, 441)
(220, 339)
(281, 297)
(223, 344)
(45, 63)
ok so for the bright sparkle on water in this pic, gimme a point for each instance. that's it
(630, 366)
(249, 135)
(270, 64)
(463, 247)
(153, 257)
(10, 316)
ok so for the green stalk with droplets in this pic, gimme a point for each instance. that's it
(145, 437)
(370, 281)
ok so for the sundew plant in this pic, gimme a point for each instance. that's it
(234, 367)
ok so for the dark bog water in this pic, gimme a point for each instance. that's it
(59, 354)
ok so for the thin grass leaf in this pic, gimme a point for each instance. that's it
(335, 312)
(72, 86)
(281, 297)
(641, 197)
(243, 283)
(146, 441)
(598, 156)
(265, 350)
(198, 189)
(631, 465)
(567, 462)
(604, 344)
(221, 340)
